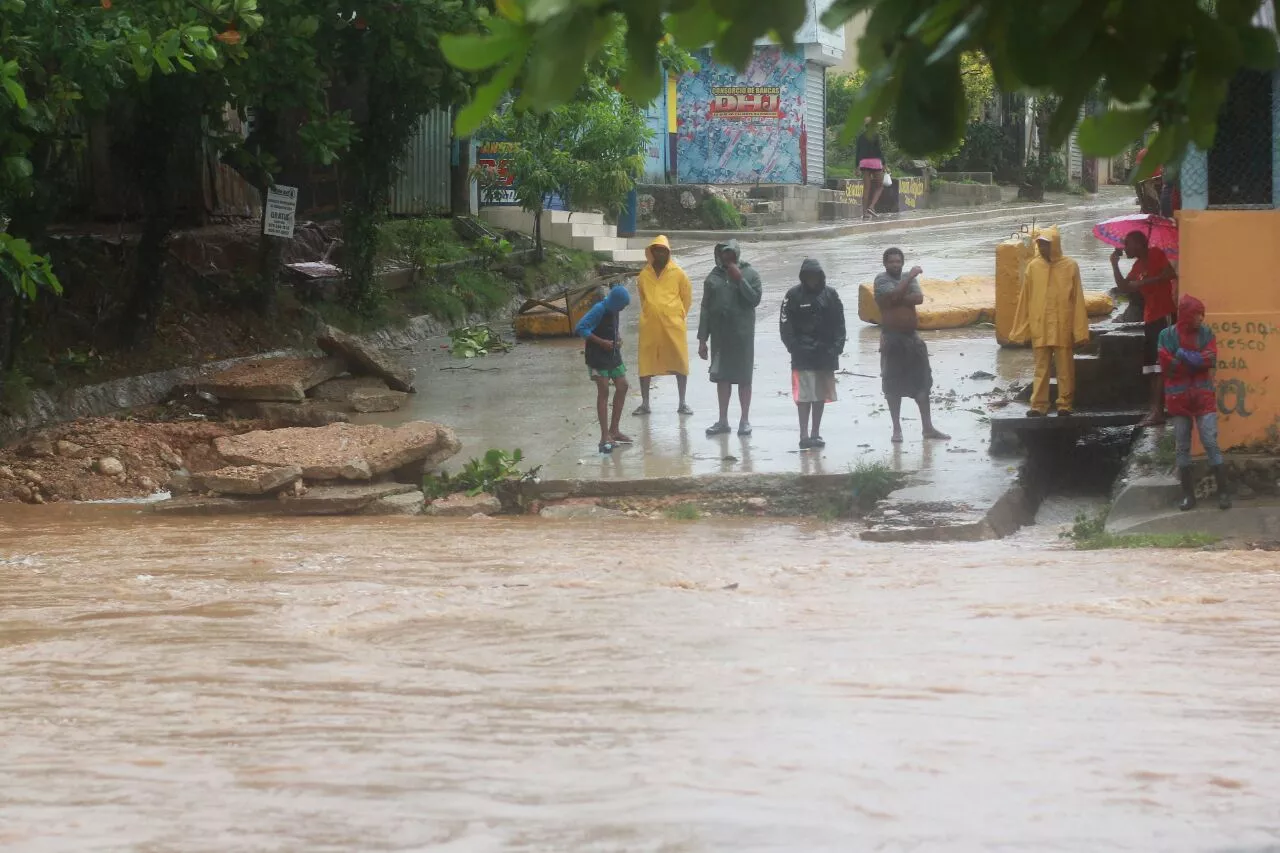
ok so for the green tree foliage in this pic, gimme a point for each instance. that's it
(1168, 62)
(391, 63)
(843, 91)
(61, 62)
(590, 150)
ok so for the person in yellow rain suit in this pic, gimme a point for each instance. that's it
(1051, 316)
(665, 298)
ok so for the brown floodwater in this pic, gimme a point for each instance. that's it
(347, 685)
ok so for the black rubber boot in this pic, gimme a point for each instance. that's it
(1224, 487)
(1188, 490)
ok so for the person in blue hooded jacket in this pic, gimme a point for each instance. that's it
(601, 329)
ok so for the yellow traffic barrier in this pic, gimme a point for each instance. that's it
(964, 302)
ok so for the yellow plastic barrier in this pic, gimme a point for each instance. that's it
(963, 302)
(1012, 257)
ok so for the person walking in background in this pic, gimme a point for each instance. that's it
(869, 155)
(727, 332)
(813, 331)
(904, 357)
(1051, 317)
(1188, 358)
(601, 330)
(665, 298)
(1155, 278)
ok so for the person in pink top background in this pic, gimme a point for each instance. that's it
(870, 158)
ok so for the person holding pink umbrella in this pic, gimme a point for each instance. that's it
(1154, 277)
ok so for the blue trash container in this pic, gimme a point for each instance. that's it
(627, 218)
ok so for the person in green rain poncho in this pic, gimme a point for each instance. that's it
(727, 332)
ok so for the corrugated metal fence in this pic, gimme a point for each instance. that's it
(424, 181)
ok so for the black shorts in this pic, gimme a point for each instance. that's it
(1151, 345)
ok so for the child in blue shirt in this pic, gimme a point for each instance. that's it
(601, 328)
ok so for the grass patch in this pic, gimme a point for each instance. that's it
(458, 295)
(560, 268)
(1089, 533)
(1163, 457)
(380, 316)
(838, 171)
(872, 482)
(683, 512)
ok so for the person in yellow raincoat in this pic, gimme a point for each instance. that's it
(665, 298)
(1051, 316)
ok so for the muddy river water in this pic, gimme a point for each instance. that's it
(474, 686)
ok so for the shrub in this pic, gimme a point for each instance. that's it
(988, 147)
(719, 214)
(424, 243)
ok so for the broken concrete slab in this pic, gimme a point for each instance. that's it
(341, 499)
(367, 401)
(576, 511)
(409, 503)
(205, 505)
(430, 464)
(365, 360)
(341, 451)
(464, 506)
(340, 390)
(279, 415)
(272, 379)
(249, 479)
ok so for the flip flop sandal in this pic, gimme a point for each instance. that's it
(641, 411)
(624, 440)
(719, 429)
(744, 430)
(818, 441)
(684, 410)
(606, 446)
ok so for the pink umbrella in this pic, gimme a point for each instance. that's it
(1161, 233)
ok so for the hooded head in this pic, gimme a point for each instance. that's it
(659, 252)
(617, 298)
(812, 276)
(729, 247)
(1049, 244)
(1190, 314)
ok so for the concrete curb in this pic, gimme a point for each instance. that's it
(710, 484)
(985, 213)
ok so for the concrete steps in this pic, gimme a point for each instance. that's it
(584, 231)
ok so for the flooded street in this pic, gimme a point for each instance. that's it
(537, 398)
(480, 686)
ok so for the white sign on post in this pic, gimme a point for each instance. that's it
(278, 218)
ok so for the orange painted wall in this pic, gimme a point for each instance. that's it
(1230, 259)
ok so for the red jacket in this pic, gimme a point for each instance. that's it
(1187, 360)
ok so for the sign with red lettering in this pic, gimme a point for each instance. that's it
(495, 157)
(746, 102)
